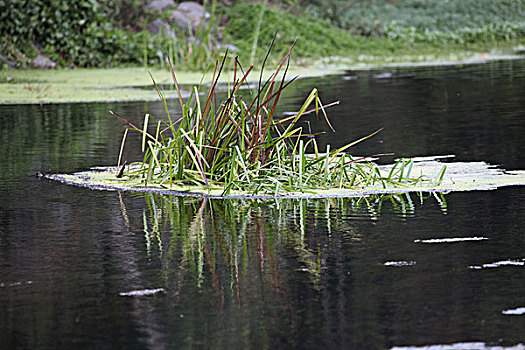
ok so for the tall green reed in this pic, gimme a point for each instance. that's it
(242, 146)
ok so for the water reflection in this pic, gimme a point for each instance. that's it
(198, 239)
(245, 273)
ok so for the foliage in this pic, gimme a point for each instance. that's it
(242, 146)
(323, 39)
(96, 33)
(433, 21)
(491, 32)
(111, 33)
(63, 29)
(196, 50)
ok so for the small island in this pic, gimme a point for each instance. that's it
(240, 149)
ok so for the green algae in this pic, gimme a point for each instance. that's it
(459, 176)
(81, 85)
(126, 84)
(104, 85)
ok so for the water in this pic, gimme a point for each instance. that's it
(306, 274)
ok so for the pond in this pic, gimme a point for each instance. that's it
(88, 269)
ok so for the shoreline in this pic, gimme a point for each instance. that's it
(107, 85)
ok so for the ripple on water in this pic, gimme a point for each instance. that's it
(14, 284)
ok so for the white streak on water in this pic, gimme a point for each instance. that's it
(303, 269)
(14, 284)
(461, 346)
(141, 292)
(450, 240)
(498, 264)
(399, 263)
(431, 158)
(517, 311)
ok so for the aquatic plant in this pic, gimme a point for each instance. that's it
(244, 147)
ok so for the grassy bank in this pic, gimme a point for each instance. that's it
(379, 28)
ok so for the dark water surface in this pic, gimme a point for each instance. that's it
(308, 274)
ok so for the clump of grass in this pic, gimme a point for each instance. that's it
(243, 146)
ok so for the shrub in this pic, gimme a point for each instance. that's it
(317, 37)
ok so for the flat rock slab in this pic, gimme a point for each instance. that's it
(459, 176)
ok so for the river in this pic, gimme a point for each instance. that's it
(370, 273)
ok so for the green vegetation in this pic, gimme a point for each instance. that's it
(381, 28)
(460, 176)
(106, 84)
(317, 37)
(70, 32)
(241, 146)
(436, 21)
(83, 85)
(90, 33)
(103, 33)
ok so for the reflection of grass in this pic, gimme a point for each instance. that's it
(212, 239)
(60, 137)
(241, 146)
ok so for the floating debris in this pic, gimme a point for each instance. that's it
(399, 263)
(450, 240)
(517, 311)
(142, 292)
(461, 346)
(459, 176)
(499, 264)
